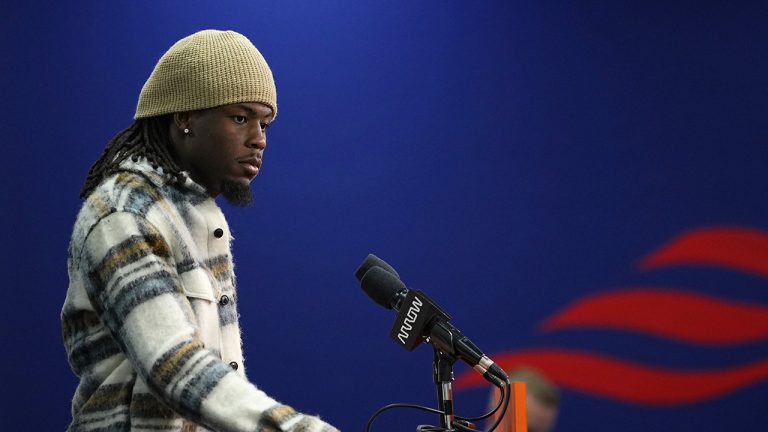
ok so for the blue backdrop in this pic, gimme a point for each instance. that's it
(580, 184)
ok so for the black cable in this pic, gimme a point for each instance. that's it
(506, 395)
(398, 405)
(462, 427)
(492, 412)
(504, 388)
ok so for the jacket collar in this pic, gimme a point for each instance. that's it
(158, 177)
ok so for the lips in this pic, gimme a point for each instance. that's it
(252, 165)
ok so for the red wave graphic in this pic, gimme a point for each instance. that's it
(736, 248)
(667, 313)
(624, 380)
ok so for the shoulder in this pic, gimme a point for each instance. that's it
(131, 192)
(123, 191)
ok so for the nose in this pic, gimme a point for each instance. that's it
(257, 139)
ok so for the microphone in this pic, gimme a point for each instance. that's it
(373, 261)
(419, 320)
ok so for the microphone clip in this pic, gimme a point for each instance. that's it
(414, 317)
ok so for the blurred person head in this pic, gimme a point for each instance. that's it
(542, 401)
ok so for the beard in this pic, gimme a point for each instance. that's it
(237, 194)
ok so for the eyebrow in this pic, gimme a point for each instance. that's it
(253, 112)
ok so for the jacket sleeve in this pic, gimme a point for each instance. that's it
(134, 285)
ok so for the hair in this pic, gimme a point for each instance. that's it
(236, 194)
(146, 138)
(537, 385)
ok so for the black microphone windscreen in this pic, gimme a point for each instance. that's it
(382, 286)
(373, 261)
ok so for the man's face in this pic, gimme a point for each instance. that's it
(541, 417)
(224, 149)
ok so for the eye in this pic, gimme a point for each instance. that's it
(264, 126)
(240, 119)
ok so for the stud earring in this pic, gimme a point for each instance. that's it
(186, 131)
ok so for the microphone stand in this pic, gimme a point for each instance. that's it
(443, 372)
(442, 368)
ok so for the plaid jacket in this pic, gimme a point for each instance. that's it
(150, 322)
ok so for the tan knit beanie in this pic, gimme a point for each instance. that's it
(207, 69)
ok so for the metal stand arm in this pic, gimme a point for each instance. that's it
(443, 373)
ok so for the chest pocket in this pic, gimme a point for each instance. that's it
(202, 296)
(197, 284)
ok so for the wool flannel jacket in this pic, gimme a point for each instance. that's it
(150, 322)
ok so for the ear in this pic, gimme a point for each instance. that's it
(181, 120)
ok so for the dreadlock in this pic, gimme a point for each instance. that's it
(145, 138)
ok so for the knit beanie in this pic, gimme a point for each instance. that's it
(204, 70)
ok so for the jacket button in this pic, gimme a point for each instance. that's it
(224, 300)
(218, 232)
(233, 365)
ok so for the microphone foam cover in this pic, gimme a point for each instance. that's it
(373, 261)
(382, 286)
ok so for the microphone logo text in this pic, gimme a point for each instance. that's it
(410, 318)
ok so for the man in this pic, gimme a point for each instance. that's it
(150, 322)
(542, 401)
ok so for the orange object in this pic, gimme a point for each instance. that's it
(516, 419)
